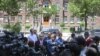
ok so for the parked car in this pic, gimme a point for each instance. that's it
(54, 30)
(95, 32)
(46, 30)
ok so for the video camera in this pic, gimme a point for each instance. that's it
(11, 45)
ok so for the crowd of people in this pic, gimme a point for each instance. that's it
(74, 46)
(50, 44)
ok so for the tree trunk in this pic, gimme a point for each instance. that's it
(85, 19)
(33, 21)
(36, 21)
(9, 20)
(55, 21)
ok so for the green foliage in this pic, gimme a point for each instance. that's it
(10, 6)
(82, 24)
(50, 10)
(7, 26)
(0, 5)
(31, 5)
(35, 10)
(62, 24)
(27, 26)
(81, 7)
(14, 27)
(73, 9)
(72, 29)
(84, 8)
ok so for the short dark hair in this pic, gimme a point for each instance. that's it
(31, 30)
(25, 39)
(96, 38)
(31, 44)
(86, 34)
(81, 40)
(91, 52)
(73, 35)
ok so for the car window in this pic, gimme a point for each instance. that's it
(45, 29)
(53, 30)
(96, 30)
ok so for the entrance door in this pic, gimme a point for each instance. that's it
(46, 21)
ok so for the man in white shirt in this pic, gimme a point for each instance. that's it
(33, 36)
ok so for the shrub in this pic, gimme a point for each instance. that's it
(27, 26)
(13, 27)
(16, 28)
(72, 29)
(62, 24)
(7, 26)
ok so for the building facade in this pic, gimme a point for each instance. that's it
(62, 16)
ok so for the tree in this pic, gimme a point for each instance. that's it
(33, 9)
(51, 10)
(11, 7)
(0, 5)
(31, 4)
(84, 8)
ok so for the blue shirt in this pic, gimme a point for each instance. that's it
(59, 41)
(45, 41)
(51, 45)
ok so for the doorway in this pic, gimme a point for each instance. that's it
(46, 21)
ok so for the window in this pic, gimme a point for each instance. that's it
(20, 18)
(58, 5)
(12, 18)
(71, 20)
(27, 18)
(6, 17)
(78, 20)
(56, 19)
(35, 19)
(65, 19)
(65, 4)
(46, 3)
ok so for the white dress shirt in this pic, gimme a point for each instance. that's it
(33, 37)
